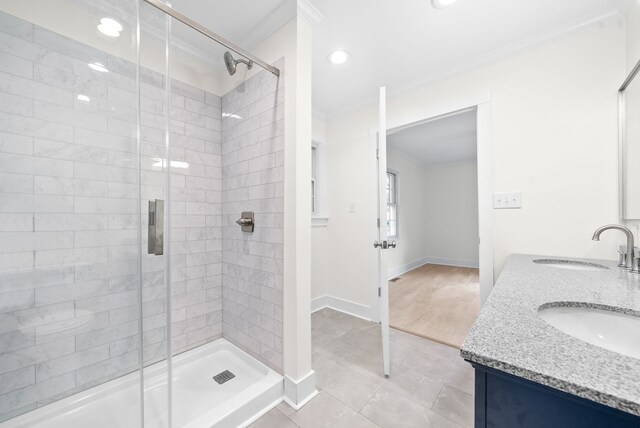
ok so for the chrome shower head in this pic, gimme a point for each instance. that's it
(232, 64)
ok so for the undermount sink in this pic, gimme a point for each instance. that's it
(615, 331)
(570, 264)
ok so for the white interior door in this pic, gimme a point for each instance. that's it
(382, 245)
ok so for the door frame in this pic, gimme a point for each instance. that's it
(482, 105)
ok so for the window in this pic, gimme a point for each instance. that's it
(316, 202)
(314, 180)
(392, 204)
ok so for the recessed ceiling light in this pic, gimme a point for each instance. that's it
(339, 57)
(84, 98)
(441, 4)
(98, 67)
(110, 27)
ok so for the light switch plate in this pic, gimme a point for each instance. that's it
(507, 200)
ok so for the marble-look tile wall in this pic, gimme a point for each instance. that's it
(69, 265)
(253, 159)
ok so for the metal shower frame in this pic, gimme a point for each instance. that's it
(213, 36)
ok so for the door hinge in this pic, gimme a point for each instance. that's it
(379, 292)
(378, 223)
(377, 153)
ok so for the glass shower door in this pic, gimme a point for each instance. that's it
(180, 197)
(155, 215)
(69, 208)
(195, 222)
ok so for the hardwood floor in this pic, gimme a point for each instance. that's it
(436, 302)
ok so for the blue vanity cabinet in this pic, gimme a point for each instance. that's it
(503, 400)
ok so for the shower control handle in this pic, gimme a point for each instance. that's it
(246, 221)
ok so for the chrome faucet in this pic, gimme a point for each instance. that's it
(630, 256)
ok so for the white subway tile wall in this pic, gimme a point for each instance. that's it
(69, 222)
(253, 180)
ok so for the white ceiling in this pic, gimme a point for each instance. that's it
(398, 44)
(447, 140)
(243, 22)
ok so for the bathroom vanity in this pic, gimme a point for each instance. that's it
(557, 344)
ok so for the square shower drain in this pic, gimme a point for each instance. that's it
(223, 377)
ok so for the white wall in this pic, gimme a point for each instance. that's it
(412, 240)
(438, 214)
(554, 137)
(293, 43)
(451, 214)
(319, 243)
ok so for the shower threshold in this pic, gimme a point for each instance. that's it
(198, 400)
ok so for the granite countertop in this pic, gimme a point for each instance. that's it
(510, 336)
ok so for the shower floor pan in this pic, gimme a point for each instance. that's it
(198, 400)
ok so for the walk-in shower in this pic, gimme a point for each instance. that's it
(127, 290)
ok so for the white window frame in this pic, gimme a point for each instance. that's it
(318, 215)
(396, 204)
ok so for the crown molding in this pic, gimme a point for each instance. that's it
(493, 57)
(310, 13)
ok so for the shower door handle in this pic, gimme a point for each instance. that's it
(156, 228)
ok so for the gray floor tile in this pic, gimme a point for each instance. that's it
(337, 325)
(428, 392)
(273, 419)
(430, 385)
(417, 344)
(455, 405)
(352, 388)
(416, 387)
(286, 409)
(371, 363)
(322, 411)
(446, 371)
(354, 420)
(362, 340)
(336, 348)
(390, 410)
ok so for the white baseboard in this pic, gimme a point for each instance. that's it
(395, 272)
(406, 268)
(297, 394)
(454, 262)
(364, 312)
(345, 306)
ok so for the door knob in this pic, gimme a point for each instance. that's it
(377, 244)
(392, 244)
